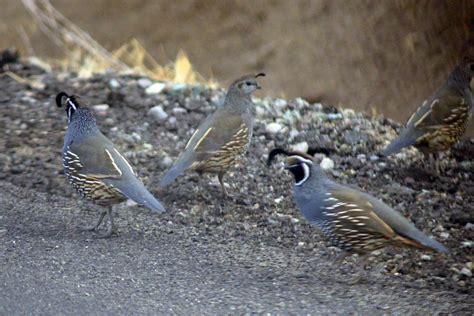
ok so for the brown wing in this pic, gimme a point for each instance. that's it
(442, 111)
(356, 224)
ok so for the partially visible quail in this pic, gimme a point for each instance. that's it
(352, 220)
(95, 167)
(442, 118)
(222, 137)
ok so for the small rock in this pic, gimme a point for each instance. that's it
(294, 220)
(130, 203)
(466, 272)
(425, 257)
(109, 121)
(303, 147)
(374, 158)
(136, 137)
(179, 110)
(294, 133)
(260, 111)
(114, 84)
(273, 128)
(279, 104)
(144, 83)
(167, 162)
(172, 120)
(301, 243)
(327, 163)
(301, 102)
(155, 88)
(278, 200)
(362, 157)
(334, 116)
(101, 109)
(469, 226)
(178, 87)
(467, 244)
(444, 235)
(158, 113)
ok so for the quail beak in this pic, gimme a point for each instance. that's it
(257, 86)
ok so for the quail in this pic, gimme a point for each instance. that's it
(442, 118)
(222, 137)
(352, 220)
(94, 166)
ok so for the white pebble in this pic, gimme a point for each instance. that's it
(279, 104)
(155, 88)
(303, 147)
(444, 235)
(101, 109)
(114, 84)
(144, 83)
(294, 220)
(327, 163)
(273, 128)
(362, 157)
(466, 272)
(158, 113)
(425, 257)
(301, 102)
(167, 162)
(130, 203)
(179, 110)
(374, 158)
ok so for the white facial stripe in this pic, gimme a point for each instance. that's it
(71, 104)
(306, 174)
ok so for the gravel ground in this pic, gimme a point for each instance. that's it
(249, 253)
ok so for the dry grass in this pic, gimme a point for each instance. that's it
(86, 56)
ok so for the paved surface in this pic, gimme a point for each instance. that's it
(48, 266)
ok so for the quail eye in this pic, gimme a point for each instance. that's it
(248, 84)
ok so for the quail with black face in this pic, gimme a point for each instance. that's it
(442, 118)
(352, 220)
(95, 167)
(222, 137)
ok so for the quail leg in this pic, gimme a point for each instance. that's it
(221, 181)
(96, 226)
(112, 229)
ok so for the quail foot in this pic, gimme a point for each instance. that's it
(352, 220)
(222, 137)
(95, 167)
(442, 118)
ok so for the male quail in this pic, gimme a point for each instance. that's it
(442, 118)
(352, 220)
(222, 137)
(95, 167)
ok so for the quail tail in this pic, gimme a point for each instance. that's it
(175, 171)
(396, 145)
(141, 195)
(420, 240)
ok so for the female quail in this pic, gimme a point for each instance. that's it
(442, 118)
(352, 220)
(95, 167)
(222, 137)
